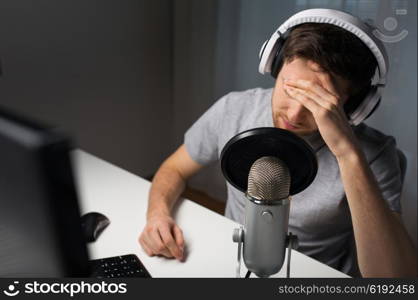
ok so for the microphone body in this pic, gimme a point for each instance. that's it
(265, 236)
(266, 216)
(281, 164)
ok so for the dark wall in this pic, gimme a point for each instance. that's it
(100, 69)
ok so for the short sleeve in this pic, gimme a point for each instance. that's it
(202, 138)
(387, 170)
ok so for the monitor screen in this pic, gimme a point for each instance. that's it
(40, 230)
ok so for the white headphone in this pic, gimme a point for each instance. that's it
(271, 48)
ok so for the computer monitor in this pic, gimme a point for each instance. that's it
(40, 230)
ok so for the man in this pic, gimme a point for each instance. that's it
(349, 218)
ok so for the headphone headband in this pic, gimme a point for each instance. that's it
(348, 22)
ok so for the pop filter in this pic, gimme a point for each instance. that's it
(245, 148)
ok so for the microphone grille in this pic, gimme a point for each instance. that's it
(269, 179)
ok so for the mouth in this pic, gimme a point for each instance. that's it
(289, 125)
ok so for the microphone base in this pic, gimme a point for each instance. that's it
(238, 237)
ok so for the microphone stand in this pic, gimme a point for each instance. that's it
(238, 237)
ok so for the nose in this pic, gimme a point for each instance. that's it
(296, 113)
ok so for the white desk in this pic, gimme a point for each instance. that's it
(122, 197)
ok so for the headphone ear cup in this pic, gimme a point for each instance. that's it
(374, 108)
(354, 102)
(277, 64)
(366, 107)
(278, 59)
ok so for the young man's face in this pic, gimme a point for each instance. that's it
(288, 113)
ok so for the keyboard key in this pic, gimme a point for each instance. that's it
(119, 266)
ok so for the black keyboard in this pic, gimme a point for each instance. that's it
(118, 266)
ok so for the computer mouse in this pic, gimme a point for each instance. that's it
(93, 224)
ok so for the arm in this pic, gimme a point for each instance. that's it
(383, 246)
(379, 233)
(161, 236)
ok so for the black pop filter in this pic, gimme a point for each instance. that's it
(245, 148)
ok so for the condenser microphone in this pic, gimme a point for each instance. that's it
(266, 216)
(268, 165)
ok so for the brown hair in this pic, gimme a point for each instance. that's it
(337, 51)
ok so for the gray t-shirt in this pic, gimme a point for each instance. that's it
(319, 215)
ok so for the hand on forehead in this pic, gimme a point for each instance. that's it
(308, 71)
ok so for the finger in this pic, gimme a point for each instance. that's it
(307, 102)
(153, 243)
(178, 236)
(329, 83)
(144, 242)
(314, 88)
(147, 250)
(169, 242)
(307, 93)
(157, 245)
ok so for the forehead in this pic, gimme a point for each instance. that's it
(300, 68)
